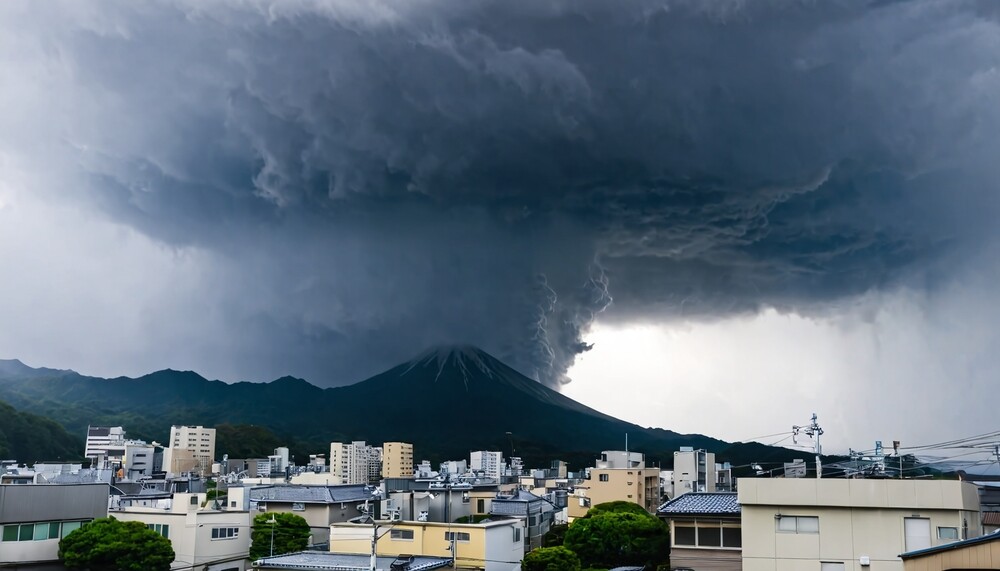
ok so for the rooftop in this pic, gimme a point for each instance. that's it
(702, 503)
(311, 494)
(948, 547)
(321, 560)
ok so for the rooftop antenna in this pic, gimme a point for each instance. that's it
(814, 431)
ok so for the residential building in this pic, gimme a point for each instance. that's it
(397, 460)
(199, 440)
(318, 505)
(202, 536)
(535, 514)
(705, 531)
(694, 471)
(105, 447)
(979, 553)
(350, 462)
(856, 524)
(325, 561)
(617, 476)
(490, 546)
(489, 463)
(454, 467)
(33, 518)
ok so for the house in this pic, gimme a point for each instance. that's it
(855, 524)
(318, 505)
(490, 546)
(202, 536)
(979, 553)
(33, 518)
(321, 561)
(705, 531)
(535, 514)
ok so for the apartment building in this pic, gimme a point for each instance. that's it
(105, 447)
(397, 460)
(616, 476)
(490, 463)
(850, 525)
(694, 471)
(489, 546)
(33, 518)
(200, 441)
(203, 538)
(351, 462)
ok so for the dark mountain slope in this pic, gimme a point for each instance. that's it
(29, 438)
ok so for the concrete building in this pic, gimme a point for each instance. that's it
(617, 476)
(350, 462)
(318, 505)
(489, 463)
(178, 461)
(490, 546)
(694, 471)
(534, 514)
(979, 553)
(199, 440)
(397, 460)
(843, 525)
(141, 459)
(105, 447)
(33, 518)
(205, 538)
(705, 531)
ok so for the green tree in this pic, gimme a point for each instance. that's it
(107, 544)
(551, 559)
(617, 506)
(290, 534)
(611, 539)
(555, 536)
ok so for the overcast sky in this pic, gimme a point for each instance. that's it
(743, 212)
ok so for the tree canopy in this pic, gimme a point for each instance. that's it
(107, 544)
(290, 534)
(610, 538)
(617, 506)
(551, 559)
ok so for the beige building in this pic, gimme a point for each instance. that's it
(840, 525)
(617, 476)
(199, 440)
(490, 546)
(397, 460)
(350, 462)
(980, 553)
(203, 538)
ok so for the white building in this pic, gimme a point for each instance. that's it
(489, 462)
(141, 459)
(203, 538)
(105, 446)
(351, 462)
(694, 471)
(199, 440)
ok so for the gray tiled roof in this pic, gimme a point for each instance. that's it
(324, 561)
(702, 503)
(310, 494)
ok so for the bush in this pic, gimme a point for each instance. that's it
(107, 544)
(551, 559)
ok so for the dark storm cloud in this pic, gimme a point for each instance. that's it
(379, 176)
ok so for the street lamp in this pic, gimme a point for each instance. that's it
(272, 521)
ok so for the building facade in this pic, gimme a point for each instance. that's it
(694, 471)
(199, 440)
(850, 525)
(351, 462)
(105, 447)
(490, 463)
(397, 460)
(617, 476)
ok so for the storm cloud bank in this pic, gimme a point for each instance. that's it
(363, 179)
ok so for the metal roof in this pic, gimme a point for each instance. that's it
(702, 503)
(324, 561)
(949, 546)
(310, 494)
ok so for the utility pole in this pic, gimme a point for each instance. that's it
(371, 562)
(814, 431)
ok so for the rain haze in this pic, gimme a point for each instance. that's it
(709, 216)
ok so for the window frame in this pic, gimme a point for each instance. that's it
(400, 534)
(798, 520)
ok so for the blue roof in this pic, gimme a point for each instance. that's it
(702, 503)
(949, 546)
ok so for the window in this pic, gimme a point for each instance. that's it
(406, 534)
(917, 532)
(194, 500)
(517, 534)
(232, 504)
(480, 506)
(948, 533)
(298, 506)
(39, 531)
(685, 535)
(225, 532)
(797, 524)
(456, 536)
(831, 566)
(707, 533)
(162, 529)
(603, 477)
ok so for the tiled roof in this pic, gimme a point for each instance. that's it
(991, 518)
(702, 503)
(324, 561)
